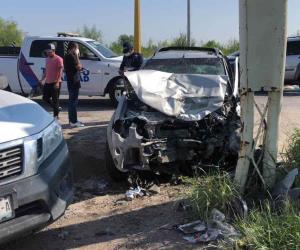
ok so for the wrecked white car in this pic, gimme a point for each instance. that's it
(180, 112)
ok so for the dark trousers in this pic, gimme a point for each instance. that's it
(73, 103)
(51, 96)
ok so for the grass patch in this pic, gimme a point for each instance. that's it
(211, 191)
(268, 230)
(291, 156)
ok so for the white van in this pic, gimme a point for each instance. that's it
(23, 67)
(36, 183)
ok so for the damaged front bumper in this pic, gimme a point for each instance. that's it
(150, 140)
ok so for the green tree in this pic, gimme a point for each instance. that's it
(91, 32)
(231, 46)
(227, 48)
(149, 49)
(213, 44)
(117, 46)
(10, 33)
(181, 41)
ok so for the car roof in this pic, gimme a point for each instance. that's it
(67, 38)
(173, 54)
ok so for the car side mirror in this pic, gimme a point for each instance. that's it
(3, 82)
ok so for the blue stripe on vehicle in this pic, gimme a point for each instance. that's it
(27, 72)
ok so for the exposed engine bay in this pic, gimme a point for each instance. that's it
(189, 122)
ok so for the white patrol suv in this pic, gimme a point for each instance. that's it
(35, 170)
(24, 66)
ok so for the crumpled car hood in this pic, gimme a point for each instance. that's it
(187, 97)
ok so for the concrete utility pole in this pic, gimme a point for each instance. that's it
(137, 26)
(188, 22)
(263, 36)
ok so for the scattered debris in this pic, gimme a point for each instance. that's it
(215, 229)
(134, 193)
(209, 235)
(282, 188)
(192, 227)
(217, 215)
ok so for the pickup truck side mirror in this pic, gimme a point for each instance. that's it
(3, 82)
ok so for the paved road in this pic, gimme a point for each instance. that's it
(290, 115)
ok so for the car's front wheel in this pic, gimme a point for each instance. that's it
(111, 168)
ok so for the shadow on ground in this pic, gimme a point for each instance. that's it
(132, 226)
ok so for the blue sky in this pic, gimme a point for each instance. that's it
(161, 19)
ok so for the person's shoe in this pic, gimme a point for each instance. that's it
(76, 125)
(82, 125)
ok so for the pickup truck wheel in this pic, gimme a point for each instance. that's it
(116, 90)
(113, 172)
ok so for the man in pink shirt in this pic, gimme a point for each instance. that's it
(52, 79)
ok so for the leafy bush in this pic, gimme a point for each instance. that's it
(269, 230)
(10, 33)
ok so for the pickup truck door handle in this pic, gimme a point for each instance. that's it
(29, 63)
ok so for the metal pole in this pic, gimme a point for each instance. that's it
(137, 26)
(247, 104)
(247, 108)
(271, 147)
(262, 63)
(189, 22)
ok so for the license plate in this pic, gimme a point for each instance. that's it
(6, 209)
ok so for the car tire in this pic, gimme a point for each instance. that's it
(113, 172)
(116, 90)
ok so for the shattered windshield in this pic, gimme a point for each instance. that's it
(102, 49)
(203, 66)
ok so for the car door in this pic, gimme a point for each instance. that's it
(32, 64)
(92, 73)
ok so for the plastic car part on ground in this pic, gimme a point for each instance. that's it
(134, 193)
(215, 229)
(283, 188)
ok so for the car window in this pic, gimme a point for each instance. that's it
(106, 52)
(203, 66)
(85, 53)
(38, 47)
(293, 48)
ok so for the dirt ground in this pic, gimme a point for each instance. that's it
(101, 219)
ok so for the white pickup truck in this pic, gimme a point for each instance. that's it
(36, 183)
(24, 66)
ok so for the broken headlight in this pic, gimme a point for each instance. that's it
(52, 137)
